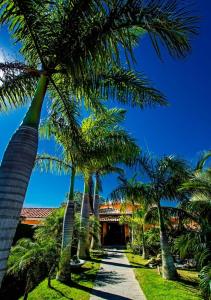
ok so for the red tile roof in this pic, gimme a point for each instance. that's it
(36, 212)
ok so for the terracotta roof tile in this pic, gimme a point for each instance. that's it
(36, 212)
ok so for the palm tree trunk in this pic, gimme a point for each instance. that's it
(143, 243)
(52, 269)
(15, 172)
(96, 243)
(27, 287)
(64, 273)
(83, 247)
(168, 268)
(68, 223)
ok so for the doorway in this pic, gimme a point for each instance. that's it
(115, 234)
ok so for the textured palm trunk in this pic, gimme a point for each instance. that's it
(15, 172)
(68, 223)
(83, 246)
(96, 243)
(64, 273)
(143, 243)
(168, 268)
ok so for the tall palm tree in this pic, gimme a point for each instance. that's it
(69, 41)
(18, 194)
(117, 147)
(100, 135)
(163, 177)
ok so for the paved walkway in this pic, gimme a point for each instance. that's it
(116, 279)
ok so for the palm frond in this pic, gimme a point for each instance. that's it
(204, 281)
(168, 23)
(47, 163)
(103, 122)
(28, 21)
(17, 84)
(130, 88)
(122, 85)
(65, 107)
(202, 160)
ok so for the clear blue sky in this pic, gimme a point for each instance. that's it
(183, 128)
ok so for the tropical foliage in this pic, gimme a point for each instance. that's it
(163, 178)
(62, 58)
(35, 259)
(80, 54)
(103, 144)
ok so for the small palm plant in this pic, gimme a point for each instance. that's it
(37, 259)
(205, 281)
(27, 258)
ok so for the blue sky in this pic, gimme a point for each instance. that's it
(183, 128)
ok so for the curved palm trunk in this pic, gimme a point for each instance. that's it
(168, 268)
(64, 273)
(15, 172)
(83, 247)
(96, 243)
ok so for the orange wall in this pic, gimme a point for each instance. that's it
(31, 222)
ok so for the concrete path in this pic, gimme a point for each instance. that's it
(116, 279)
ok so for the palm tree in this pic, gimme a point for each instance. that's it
(100, 135)
(199, 184)
(137, 220)
(99, 172)
(69, 109)
(198, 242)
(164, 177)
(136, 224)
(116, 147)
(198, 205)
(69, 41)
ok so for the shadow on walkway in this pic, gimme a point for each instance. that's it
(103, 295)
(119, 265)
(104, 278)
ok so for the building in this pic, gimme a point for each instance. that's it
(35, 216)
(112, 233)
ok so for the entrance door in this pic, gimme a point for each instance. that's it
(115, 234)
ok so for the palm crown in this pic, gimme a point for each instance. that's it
(76, 41)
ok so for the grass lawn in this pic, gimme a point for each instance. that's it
(156, 288)
(79, 290)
